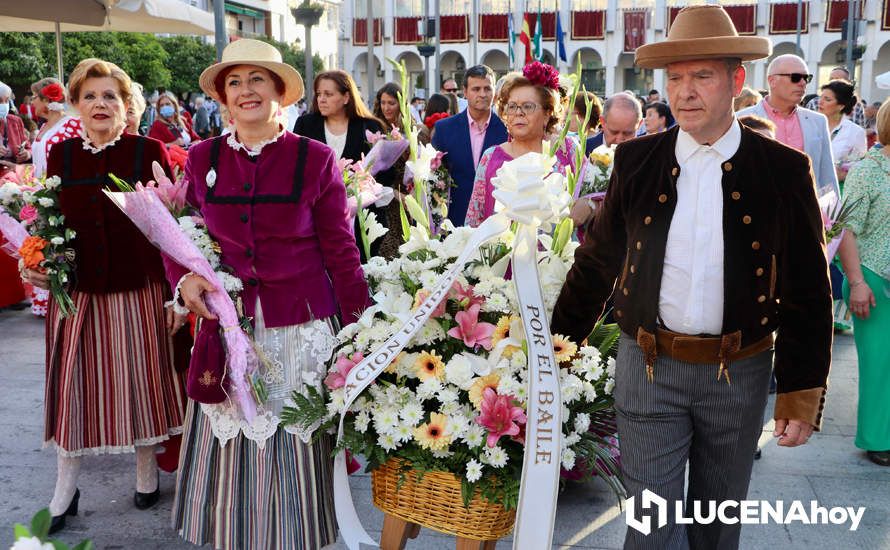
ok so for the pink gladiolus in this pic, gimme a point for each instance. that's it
(470, 330)
(499, 416)
(28, 213)
(464, 295)
(337, 378)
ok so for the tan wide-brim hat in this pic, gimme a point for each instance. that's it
(246, 51)
(702, 32)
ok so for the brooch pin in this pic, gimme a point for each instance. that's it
(211, 178)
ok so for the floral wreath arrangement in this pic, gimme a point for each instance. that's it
(32, 221)
(444, 377)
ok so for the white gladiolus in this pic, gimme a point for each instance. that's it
(373, 229)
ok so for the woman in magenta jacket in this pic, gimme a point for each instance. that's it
(276, 204)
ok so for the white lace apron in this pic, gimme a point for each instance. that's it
(298, 357)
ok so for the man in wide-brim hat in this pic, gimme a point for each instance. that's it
(711, 237)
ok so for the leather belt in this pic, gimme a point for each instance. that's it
(704, 350)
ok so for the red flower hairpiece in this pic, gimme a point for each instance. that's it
(540, 74)
(53, 92)
(431, 120)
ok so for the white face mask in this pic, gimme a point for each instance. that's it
(4, 109)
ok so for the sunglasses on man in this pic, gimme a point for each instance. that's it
(796, 77)
(454, 90)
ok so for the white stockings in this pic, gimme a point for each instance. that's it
(66, 484)
(146, 469)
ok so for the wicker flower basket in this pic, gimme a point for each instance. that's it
(435, 502)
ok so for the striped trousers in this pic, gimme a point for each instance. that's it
(686, 414)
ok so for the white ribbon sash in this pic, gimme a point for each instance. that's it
(524, 198)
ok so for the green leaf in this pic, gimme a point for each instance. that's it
(40, 524)
(120, 184)
(85, 545)
(21, 532)
(58, 545)
(563, 234)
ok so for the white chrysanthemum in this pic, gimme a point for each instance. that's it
(497, 302)
(230, 282)
(457, 424)
(568, 459)
(405, 365)
(450, 408)
(590, 394)
(442, 453)
(362, 421)
(475, 436)
(570, 387)
(610, 367)
(474, 470)
(387, 442)
(495, 457)
(509, 386)
(430, 333)
(376, 267)
(582, 422)
(404, 433)
(570, 440)
(610, 385)
(447, 395)
(428, 279)
(411, 414)
(428, 389)
(385, 421)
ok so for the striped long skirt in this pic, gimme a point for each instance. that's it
(110, 380)
(243, 497)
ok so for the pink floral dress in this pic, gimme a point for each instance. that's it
(481, 201)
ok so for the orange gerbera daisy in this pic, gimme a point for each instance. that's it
(434, 434)
(489, 381)
(502, 331)
(429, 365)
(563, 348)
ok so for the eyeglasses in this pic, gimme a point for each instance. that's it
(451, 90)
(796, 77)
(524, 108)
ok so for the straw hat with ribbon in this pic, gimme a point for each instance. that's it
(253, 52)
(702, 32)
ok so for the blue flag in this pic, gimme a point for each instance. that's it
(560, 40)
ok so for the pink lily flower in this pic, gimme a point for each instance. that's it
(422, 295)
(373, 137)
(470, 330)
(337, 377)
(464, 295)
(499, 416)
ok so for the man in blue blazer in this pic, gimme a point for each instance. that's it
(466, 135)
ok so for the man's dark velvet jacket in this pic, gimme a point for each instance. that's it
(776, 274)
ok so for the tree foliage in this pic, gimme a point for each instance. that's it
(173, 62)
(188, 56)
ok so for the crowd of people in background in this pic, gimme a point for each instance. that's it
(479, 122)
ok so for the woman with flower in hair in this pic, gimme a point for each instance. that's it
(530, 106)
(49, 104)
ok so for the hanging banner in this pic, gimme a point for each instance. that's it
(634, 30)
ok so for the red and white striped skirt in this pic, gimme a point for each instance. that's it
(110, 380)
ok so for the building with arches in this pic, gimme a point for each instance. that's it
(597, 34)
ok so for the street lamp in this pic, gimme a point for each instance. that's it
(308, 15)
(426, 50)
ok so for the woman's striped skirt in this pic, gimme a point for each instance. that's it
(110, 380)
(242, 497)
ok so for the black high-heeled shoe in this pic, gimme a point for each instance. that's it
(58, 522)
(144, 501)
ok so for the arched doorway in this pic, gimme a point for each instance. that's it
(498, 61)
(633, 78)
(451, 65)
(834, 55)
(881, 66)
(414, 65)
(360, 74)
(593, 74)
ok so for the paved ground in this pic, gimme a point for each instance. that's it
(829, 469)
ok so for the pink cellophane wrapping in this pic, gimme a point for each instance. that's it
(383, 154)
(149, 214)
(14, 233)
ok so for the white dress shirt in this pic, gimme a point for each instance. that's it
(691, 298)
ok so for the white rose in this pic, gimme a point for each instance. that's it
(459, 371)
(53, 182)
(58, 241)
(46, 202)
